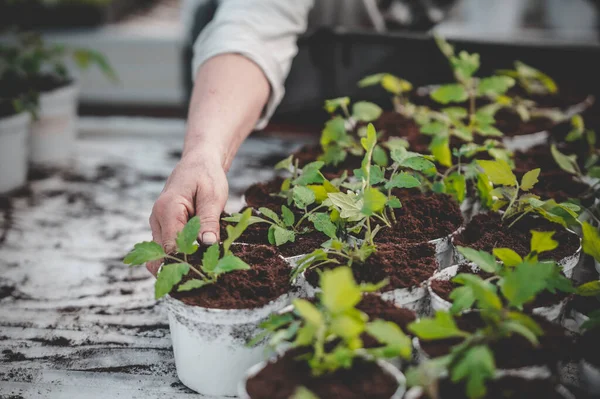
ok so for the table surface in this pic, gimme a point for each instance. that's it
(74, 320)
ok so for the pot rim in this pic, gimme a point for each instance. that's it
(386, 366)
(13, 121)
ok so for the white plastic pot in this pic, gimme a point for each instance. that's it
(444, 251)
(53, 134)
(417, 392)
(590, 377)
(14, 131)
(414, 298)
(567, 263)
(387, 367)
(573, 321)
(525, 141)
(209, 345)
(551, 313)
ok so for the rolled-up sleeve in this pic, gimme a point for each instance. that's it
(264, 31)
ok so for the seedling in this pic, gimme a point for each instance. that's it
(568, 163)
(591, 289)
(514, 197)
(520, 279)
(331, 330)
(216, 261)
(532, 80)
(400, 90)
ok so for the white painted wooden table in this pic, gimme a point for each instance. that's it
(74, 321)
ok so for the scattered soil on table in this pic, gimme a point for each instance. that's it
(56, 341)
(11, 356)
(443, 288)
(589, 348)
(257, 233)
(280, 379)
(487, 231)
(506, 387)
(515, 351)
(259, 195)
(267, 279)
(405, 266)
(376, 308)
(423, 217)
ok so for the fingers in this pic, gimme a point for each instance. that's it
(210, 202)
(156, 237)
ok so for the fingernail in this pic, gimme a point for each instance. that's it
(209, 238)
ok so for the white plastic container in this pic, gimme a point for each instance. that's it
(551, 313)
(209, 345)
(414, 298)
(525, 141)
(53, 134)
(14, 131)
(573, 321)
(590, 377)
(387, 367)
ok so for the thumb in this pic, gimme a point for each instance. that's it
(209, 206)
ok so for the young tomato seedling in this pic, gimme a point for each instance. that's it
(216, 260)
(332, 329)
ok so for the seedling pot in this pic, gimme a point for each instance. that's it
(14, 130)
(209, 345)
(414, 298)
(387, 367)
(590, 377)
(417, 392)
(573, 321)
(551, 313)
(53, 134)
(444, 251)
(525, 141)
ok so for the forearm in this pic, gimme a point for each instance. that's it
(229, 95)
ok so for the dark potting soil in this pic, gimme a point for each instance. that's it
(510, 123)
(443, 288)
(259, 195)
(393, 124)
(377, 308)
(566, 97)
(268, 278)
(506, 387)
(487, 231)
(515, 351)
(280, 379)
(311, 153)
(423, 217)
(588, 346)
(405, 266)
(257, 233)
(585, 304)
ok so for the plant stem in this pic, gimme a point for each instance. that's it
(512, 201)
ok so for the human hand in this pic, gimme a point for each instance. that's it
(197, 186)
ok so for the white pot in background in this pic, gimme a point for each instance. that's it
(53, 134)
(14, 131)
(525, 141)
(590, 377)
(209, 345)
(551, 313)
(414, 298)
(387, 367)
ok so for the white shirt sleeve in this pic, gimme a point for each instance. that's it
(265, 31)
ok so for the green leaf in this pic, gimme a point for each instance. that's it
(395, 85)
(565, 162)
(442, 326)
(530, 179)
(281, 236)
(365, 111)
(591, 241)
(211, 257)
(456, 113)
(192, 285)
(465, 65)
(143, 252)
(524, 282)
(303, 393)
(394, 202)
(229, 263)
(395, 341)
(308, 312)
(234, 232)
(417, 163)
(489, 131)
(371, 80)
(303, 196)
(542, 241)
(373, 201)
(288, 215)
(349, 205)
(475, 367)
(285, 164)
(456, 185)
(270, 214)
(440, 148)
(522, 330)
(450, 93)
(334, 131)
(483, 291)
(495, 85)
(311, 174)
(402, 180)
(369, 142)
(434, 128)
(340, 291)
(335, 103)
(508, 256)
(323, 223)
(379, 156)
(484, 260)
(169, 276)
(462, 298)
(348, 325)
(499, 172)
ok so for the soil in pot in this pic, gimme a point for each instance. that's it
(515, 351)
(487, 231)
(584, 304)
(511, 124)
(405, 266)
(259, 195)
(423, 217)
(268, 279)
(503, 388)
(311, 153)
(443, 288)
(377, 308)
(566, 97)
(280, 379)
(257, 233)
(393, 124)
(589, 349)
